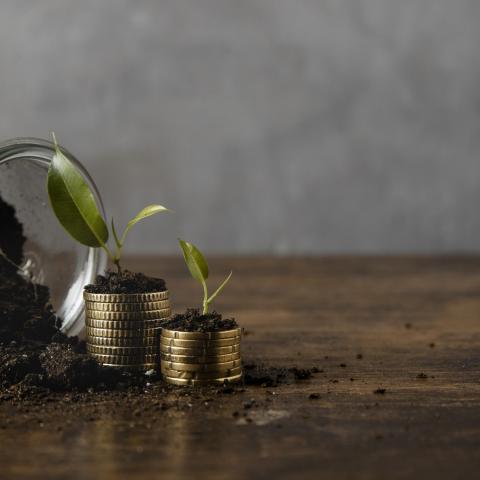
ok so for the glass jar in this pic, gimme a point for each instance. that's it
(51, 256)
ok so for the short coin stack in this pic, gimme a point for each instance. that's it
(200, 358)
(123, 329)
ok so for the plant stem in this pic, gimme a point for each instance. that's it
(205, 298)
(114, 258)
(116, 261)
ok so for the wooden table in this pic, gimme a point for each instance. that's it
(407, 326)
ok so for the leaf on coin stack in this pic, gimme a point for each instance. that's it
(146, 212)
(195, 261)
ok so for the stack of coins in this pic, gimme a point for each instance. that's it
(123, 330)
(200, 358)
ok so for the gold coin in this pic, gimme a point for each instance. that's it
(127, 307)
(199, 352)
(122, 324)
(201, 375)
(236, 332)
(197, 383)
(124, 360)
(201, 359)
(177, 342)
(131, 333)
(139, 367)
(101, 341)
(127, 351)
(163, 313)
(201, 367)
(125, 297)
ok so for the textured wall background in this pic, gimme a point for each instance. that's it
(267, 125)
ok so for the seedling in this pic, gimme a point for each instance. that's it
(198, 267)
(76, 209)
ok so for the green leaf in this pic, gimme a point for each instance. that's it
(220, 288)
(195, 261)
(74, 203)
(146, 212)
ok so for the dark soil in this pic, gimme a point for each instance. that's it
(12, 239)
(126, 282)
(34, 353)
(267, 376)
(25, 314)
(37, 361)
(193, 321)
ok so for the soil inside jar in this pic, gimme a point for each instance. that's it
(25, 312)
(34, 354)
(194, 321)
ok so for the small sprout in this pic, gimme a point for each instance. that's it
(198, 267)
(75, 207)
(146, 212)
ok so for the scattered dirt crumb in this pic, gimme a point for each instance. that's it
(301, 373)
(267, 376)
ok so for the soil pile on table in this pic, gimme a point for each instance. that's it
(34, 353)
(193, 321)
(37, 359)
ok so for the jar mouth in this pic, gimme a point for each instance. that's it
(50, 256)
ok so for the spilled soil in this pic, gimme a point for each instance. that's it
(38, 363)
(34, 354)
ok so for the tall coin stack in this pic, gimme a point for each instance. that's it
(123, 329)
(200, 358)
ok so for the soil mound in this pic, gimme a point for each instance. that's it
(193, 321)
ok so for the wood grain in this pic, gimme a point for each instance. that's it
(408, 325)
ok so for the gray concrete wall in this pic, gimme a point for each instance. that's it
(267, 125)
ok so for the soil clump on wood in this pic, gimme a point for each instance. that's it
(38, 361)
